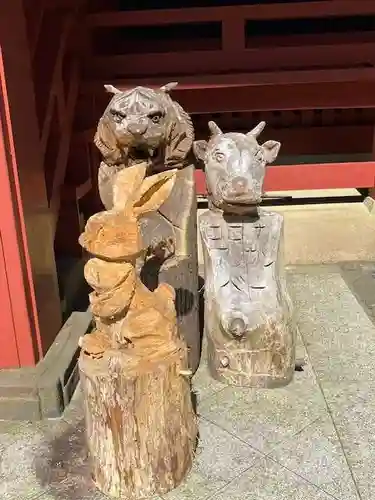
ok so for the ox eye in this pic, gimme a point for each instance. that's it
(218, 156)
(156, 117)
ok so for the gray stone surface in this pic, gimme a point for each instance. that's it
(316, 455)
(264, 418)
(220, 458)
(268, 480)
(339, 336)
(312, 440)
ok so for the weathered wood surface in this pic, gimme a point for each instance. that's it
(141, 428)
(133, 367)
(147, 125)
(248, 313)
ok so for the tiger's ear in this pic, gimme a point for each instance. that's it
(168, 87)
(111, 89)
(105, 141)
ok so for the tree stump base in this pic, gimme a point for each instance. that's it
(141, 425)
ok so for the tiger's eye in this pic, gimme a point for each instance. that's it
(117, 115)
(156, 117)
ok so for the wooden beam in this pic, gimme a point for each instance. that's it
(55, 82)
(344, 95)
(287, 97)
(239, 79)
(233, 34)
(311, 176)
(83, 189)
(63, 153)
(353, 139)
(293, 10)
(249, 60)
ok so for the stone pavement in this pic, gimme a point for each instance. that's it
(313, 440)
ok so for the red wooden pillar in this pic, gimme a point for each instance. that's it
(28, 284)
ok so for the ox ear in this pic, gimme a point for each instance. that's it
(200, 149)
(168, 87)
(111, 89)
(271, 150)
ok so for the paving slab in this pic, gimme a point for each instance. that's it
(313, 439)
(316, 454)
(265, 418)
(269, 480)
(339, 335)
(220, 458)
(340, 339)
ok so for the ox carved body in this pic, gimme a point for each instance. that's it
(248, 315)
(146, 125)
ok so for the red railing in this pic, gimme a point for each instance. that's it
(236, 72)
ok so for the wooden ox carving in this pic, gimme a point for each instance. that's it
(251, 337)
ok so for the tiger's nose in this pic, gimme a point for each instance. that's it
(239, 185)
(137, 128)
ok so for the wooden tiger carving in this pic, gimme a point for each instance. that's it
(144, 125)
(138, 125)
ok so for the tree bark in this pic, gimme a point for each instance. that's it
(141, 426)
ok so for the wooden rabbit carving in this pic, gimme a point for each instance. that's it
(124, 309)
(141, 426)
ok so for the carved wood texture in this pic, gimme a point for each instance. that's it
(168, 143)
(133, 366)
(244, 282)
(248, 314)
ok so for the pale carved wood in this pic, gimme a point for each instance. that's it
(164, 141)
(248, 313)
(141, 426)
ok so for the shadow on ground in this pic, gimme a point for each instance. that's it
(64, 471)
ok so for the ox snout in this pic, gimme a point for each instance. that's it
(240, 190)
(238, 186)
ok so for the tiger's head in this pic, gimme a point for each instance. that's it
(143, 124)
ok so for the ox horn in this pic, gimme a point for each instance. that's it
(257, 130)
(214, 129)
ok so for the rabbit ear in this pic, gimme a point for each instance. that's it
(154, 191)
(126, 186)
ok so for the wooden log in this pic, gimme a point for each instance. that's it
(140, 420)
(248, 319)
(248, 313)
(163, 140)
(141, 428)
